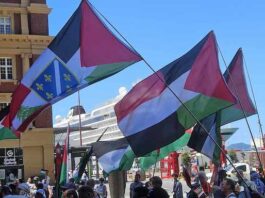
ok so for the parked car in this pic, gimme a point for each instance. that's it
(231, 172)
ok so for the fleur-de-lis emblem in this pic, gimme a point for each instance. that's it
(39, 86)
(49, 95)
(67, 77)
(48, 78)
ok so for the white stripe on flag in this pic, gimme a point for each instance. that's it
(209, 146)
(33, 99)
(57, 77)
(74, 65)
(111, 160)
(157, 109)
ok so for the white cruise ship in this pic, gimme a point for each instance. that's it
(98, 120)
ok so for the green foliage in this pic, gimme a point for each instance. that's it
(233, 156)
(25, 111)
(185, 157)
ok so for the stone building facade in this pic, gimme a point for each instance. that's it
(23, 36)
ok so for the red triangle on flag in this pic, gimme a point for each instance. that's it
(98, 45)
(205, 76)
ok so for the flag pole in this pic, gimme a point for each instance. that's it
(255, 103)
(68, 154)
(79, 114)
(241, 106)
(102, 134)
(167, 86)
(91, 148)
(99, 138)
(158, 151)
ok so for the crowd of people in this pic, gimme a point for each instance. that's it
(225, 187)
(88, 189)
(200, 187)
(34, 187)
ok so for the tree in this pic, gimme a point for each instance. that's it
(185, 158)
(233, 156)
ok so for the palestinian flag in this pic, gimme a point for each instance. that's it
(235, 79)
(64, 168)
(155, 156)
(201, 142)
(114, 155)
(85, 51)
(151, 117)
(5, 133)
(82, 164)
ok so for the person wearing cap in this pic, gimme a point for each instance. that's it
(177, 187)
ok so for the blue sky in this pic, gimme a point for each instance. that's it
(161, 31)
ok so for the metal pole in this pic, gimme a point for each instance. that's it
(79, 114)
(241, 106)
(255, 103)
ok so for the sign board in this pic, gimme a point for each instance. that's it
(11, 156)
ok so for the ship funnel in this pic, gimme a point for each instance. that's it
(75, 111)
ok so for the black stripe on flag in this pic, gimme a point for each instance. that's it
(67, 42)
(198, 135)
(156, 136)
(102, 147)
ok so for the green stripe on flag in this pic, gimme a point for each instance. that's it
(127, 160)
(217, 151)
(201, 106)
(232, 114)
(63, 175)
(153, 157)
(6, 133)
(103, 71)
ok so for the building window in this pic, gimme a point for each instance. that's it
(6, 69)
(3, 105)
(5, 25)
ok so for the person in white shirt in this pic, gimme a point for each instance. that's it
(101, 189)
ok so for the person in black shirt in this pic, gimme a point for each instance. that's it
(157, 191)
